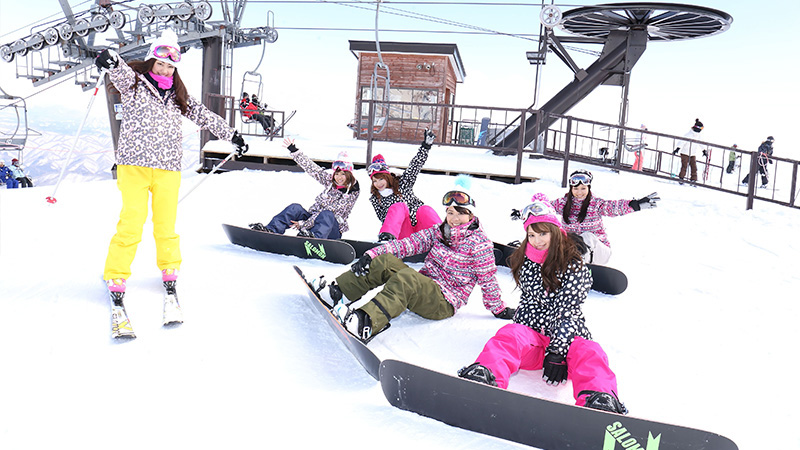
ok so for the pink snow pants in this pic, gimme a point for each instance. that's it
(398, 220)
(517, 346)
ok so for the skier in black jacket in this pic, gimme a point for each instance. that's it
(764, 154)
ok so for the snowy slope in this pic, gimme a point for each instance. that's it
(704, 336)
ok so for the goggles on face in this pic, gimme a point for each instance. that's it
(377, 168)
(342, 165)
(580, 178)
(165, 51)
(457, 197)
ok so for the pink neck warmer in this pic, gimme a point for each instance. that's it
(163, 82)
(537, 256)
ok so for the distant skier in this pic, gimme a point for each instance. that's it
(689, 151)
(18, 174)
(6, 177)
(327, 217)
(732, 159)
(764, 158)
(252, 110)
(549, 330)
(399, 210)
(459, 256)
(582, 214)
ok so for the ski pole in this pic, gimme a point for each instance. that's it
(52, 198)
(227, 158)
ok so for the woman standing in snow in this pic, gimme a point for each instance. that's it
(459, 257)
(327, 217)
(548, 330)
(583, 214)
(400, 211)
(149, 155)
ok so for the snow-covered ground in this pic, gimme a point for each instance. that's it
(703, 337)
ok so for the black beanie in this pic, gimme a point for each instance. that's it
(698, 126)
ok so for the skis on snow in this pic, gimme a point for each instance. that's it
(121, 327)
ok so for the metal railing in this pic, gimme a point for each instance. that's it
(591, 142)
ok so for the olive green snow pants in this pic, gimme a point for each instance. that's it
(403, 288)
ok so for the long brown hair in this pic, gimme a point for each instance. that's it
(142, 67)
(560, 254)
(391, 181)
(350, 180)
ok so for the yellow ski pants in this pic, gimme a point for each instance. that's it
(136, 183)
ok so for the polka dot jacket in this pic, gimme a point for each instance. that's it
(556, 315)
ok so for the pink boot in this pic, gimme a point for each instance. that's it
(169, 275)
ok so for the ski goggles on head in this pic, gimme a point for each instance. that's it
(457, 197)
(342, 165)
(377, 168)
(537, 208)
(580, 178)
(167, 52)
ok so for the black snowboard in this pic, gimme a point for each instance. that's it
(309, 248)
(529, 420)
(606, 280)
(364, 355)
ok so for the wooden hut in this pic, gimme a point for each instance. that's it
(418, 73)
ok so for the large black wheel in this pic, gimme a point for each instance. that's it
(663, 21)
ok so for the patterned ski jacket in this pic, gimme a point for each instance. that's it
(469, 260)
(339, 202)
(406, 188)
(150, 133)
(593, 222)
(556, 315)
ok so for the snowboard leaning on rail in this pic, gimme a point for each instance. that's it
(529, 420)
(606, 280)
(365, 357)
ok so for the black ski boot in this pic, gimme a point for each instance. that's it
(604, 402)
(479, 373)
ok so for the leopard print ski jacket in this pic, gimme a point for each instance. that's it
(557, 315)
(150, 133)
(339, 202)
(406, 187)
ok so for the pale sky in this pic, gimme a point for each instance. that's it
(741, 83)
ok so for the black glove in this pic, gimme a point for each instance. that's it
(292, 148)
(361, 267)
(705, 153)
(428, 140)
(676, 151)
(555, 369)
(645, 202)
(107, 59)
(506, 314)
(516, 214)
(238, 141)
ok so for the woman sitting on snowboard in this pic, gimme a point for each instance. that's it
(459, 257)
(400, 211)
(327, 217)
(548, 330)
(582, 214)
